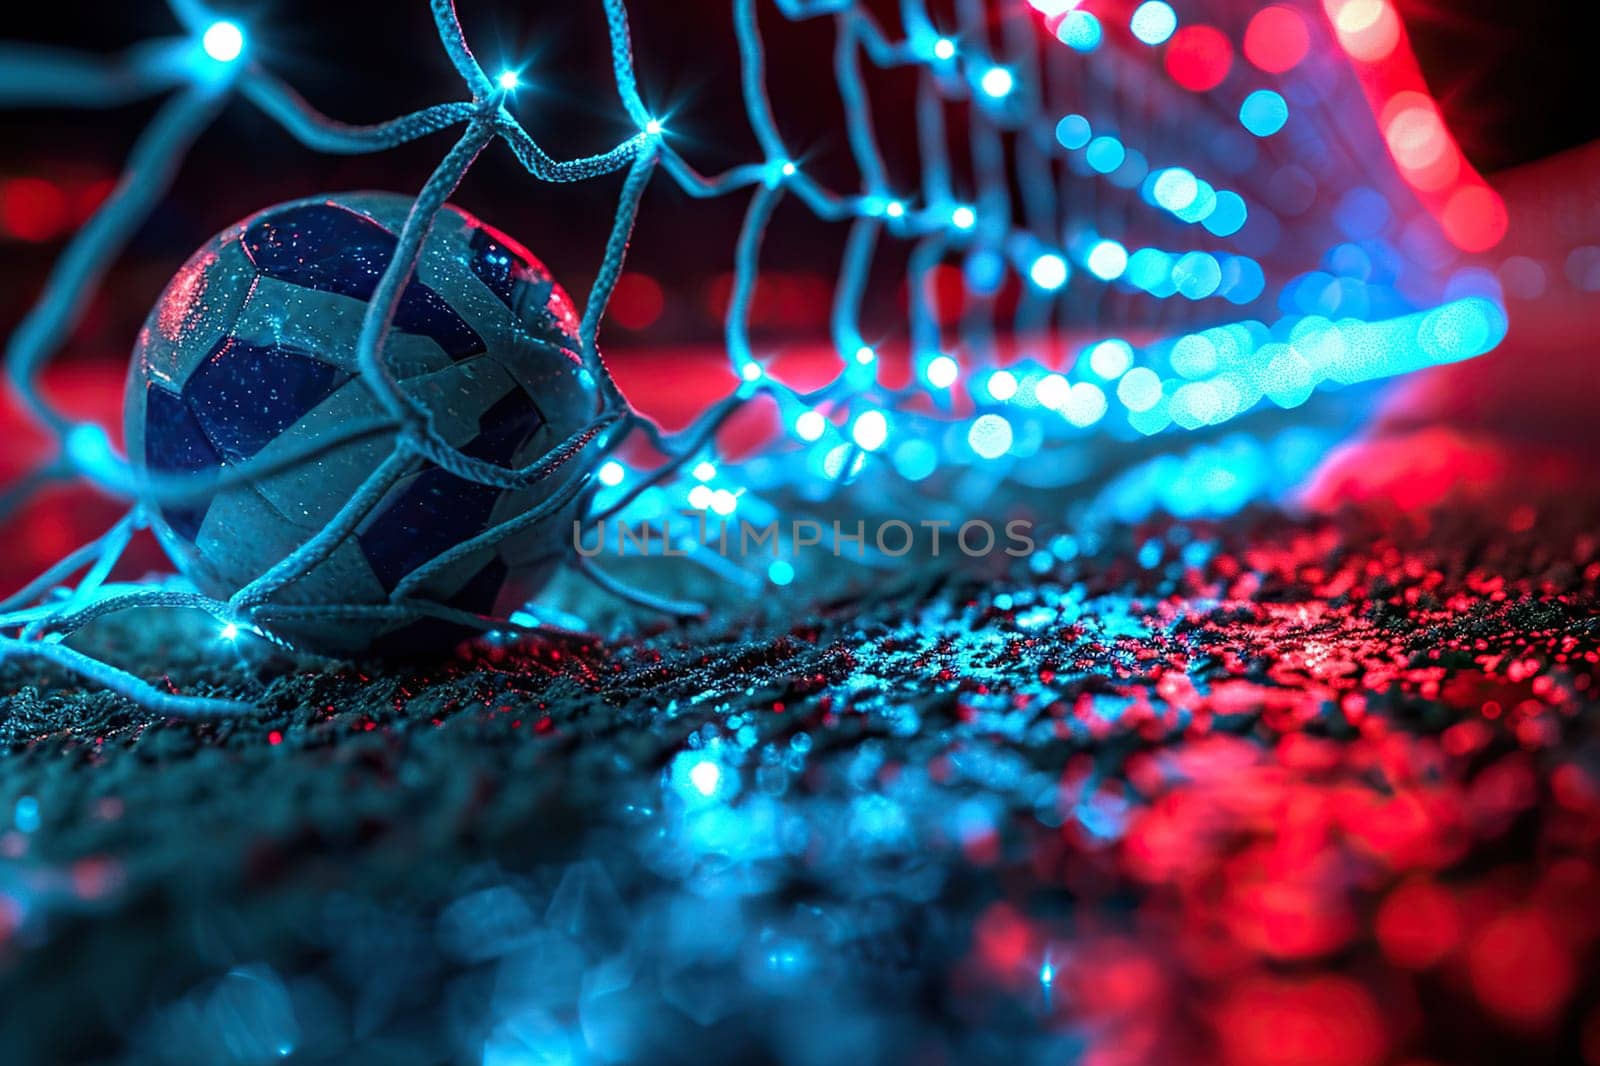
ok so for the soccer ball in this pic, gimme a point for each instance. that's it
(249, 356)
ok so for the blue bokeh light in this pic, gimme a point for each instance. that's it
(1154, 22)
(1264, 113)
(1105, 154)
(1080, 31)
(1073, 131)
(1107, 260)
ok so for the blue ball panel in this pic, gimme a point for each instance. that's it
(174, 443)
(505, 427)
(439, 510)
(498, 267)
(437, 634)
(435, 512)
(244, 395)
(333, 249)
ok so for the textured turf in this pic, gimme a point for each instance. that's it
(1275, 791)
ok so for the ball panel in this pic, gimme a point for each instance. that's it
(458, 397)
(244, 535)
(434, 510)
(426, 514)
(477, 595)
(567, 396)
(277, 312)
(309, 493)
(182, 447)
(196, 310)
(505, 427)
(523, 284)
(328, 247)
(245, 395)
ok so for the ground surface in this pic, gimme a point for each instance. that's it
(1276, 791)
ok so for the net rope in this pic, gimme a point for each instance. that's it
(1016, 146)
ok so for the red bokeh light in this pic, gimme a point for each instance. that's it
(1277, 39)
(1475, 218)
(1418, 924)
(1199, 58)
(1521, 970)
(1369, 30)
(637, 301)
(33, 209)
(1326, 1021)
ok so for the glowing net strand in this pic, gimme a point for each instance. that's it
(41, 617)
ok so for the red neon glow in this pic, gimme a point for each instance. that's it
(1417, 139)
(1471, 214)
(1277, 39)
(32, 209)
(1475, 218)
(1199, 58)
(636, 302)
(1368, 29)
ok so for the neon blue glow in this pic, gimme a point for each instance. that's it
(1085, 404)
(1139, 389)
(944, 49)
(1048, 271)
(1200, 208)
(1288, 380)
(984, 271)
(508, 80)
(1264, 113)
(223, 41)
(1150, 269)
(963, 217)
(1175, 188)
(1194, 356)
(1073, 132)
(990, 436)
(1228, 216)
(611, 473)
(1197, 275)
(1243, 280)
(25, 815)
(1111, 358)
(705, 776)
(915, 460)
(1080, 31)
(1107, 260)
(1133, 170)
(1002, 385)
(942, 371)
(997, 82)
(781, 572)
(1051, 391)
(810, 426)
(870, 430)
(1154, 22)
(1105, 154)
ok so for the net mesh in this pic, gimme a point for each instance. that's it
(1272, 264)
